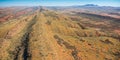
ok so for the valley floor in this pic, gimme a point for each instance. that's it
(47, 35)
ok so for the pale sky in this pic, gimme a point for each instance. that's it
(115, 3)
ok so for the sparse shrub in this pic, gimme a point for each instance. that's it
(26, 20)
(81, 26)
(61, 41)
(89, 44)
(117, 54)
(48, 22)
(81, 39)
(107, 41)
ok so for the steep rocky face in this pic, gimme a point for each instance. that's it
(49, 35)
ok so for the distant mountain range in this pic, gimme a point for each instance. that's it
(90, 5)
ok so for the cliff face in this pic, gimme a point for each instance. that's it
(50, 35)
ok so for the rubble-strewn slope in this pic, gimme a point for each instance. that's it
(49, 35)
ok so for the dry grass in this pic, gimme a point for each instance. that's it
(48, 35)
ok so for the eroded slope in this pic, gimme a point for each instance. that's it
(49, 35)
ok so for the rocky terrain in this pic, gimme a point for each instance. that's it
(43, 33)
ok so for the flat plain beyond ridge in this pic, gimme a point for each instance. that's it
(59, 33)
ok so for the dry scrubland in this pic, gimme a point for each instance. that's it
(50, 35)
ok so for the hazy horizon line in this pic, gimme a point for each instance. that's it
(55, 5)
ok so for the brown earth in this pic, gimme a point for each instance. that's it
(50, 35)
